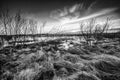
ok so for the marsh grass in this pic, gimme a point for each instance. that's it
(98, 62)
(50, 60)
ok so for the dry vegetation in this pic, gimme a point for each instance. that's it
(62, 59)
(46, 62)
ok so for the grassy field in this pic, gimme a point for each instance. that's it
(61, 59)
(26, 55)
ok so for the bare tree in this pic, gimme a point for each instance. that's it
(87, 31)
(41, 28)
(94, 31)
(101, 29)
(6, 20)
(33, 27)
(15, 24)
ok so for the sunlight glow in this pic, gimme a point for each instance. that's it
(72, 25)
(97, 14)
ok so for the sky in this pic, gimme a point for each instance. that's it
(65, 14)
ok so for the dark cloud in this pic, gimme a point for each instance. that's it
(41, 5)
(86, 8)
(107, 4)
(43, 8)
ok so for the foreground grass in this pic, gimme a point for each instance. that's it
(56, 62)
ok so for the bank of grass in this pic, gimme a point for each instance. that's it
(97, 62)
